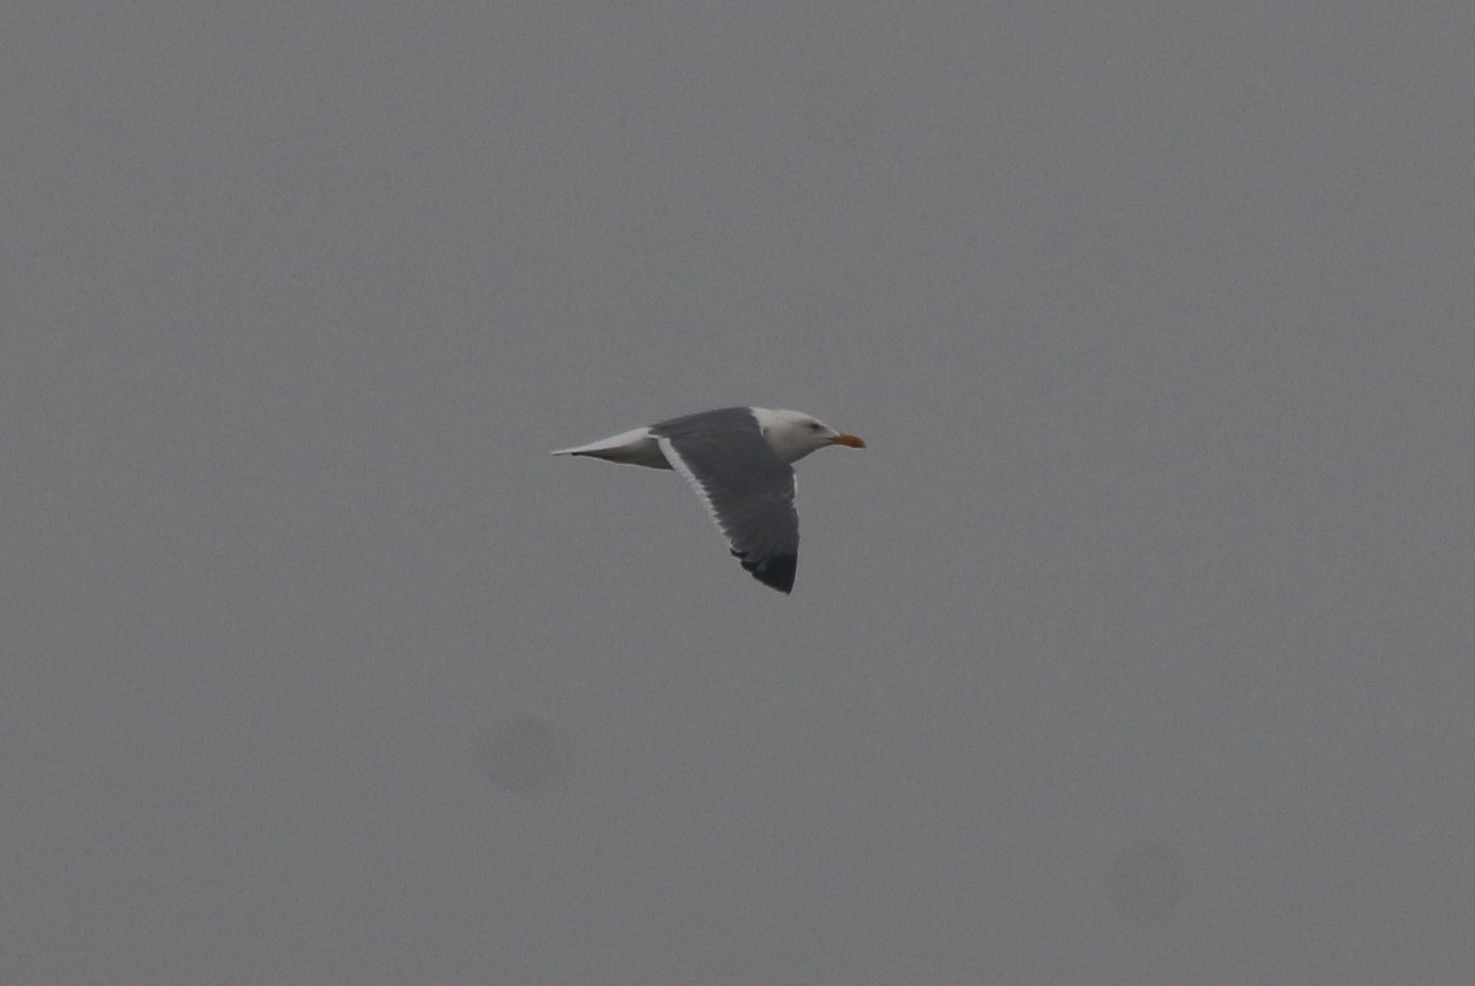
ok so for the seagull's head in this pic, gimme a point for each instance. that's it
(794, 434)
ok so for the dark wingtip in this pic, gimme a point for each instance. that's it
(776, 572)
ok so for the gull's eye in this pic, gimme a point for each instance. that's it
(815, 426)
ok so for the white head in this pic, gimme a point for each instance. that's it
(794, 434)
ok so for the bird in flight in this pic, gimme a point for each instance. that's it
(737, 459)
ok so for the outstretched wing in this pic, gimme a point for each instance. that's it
(748, 489)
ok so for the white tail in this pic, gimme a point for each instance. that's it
(636, 447)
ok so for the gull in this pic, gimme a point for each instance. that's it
(737, 459)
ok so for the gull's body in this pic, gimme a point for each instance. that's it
(738, 460)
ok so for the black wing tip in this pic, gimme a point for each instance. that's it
(776, 572)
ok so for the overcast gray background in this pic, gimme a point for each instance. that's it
(1137, 648)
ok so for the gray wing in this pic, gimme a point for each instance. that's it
(747, 487)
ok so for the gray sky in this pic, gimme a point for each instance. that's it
(1137, 648)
